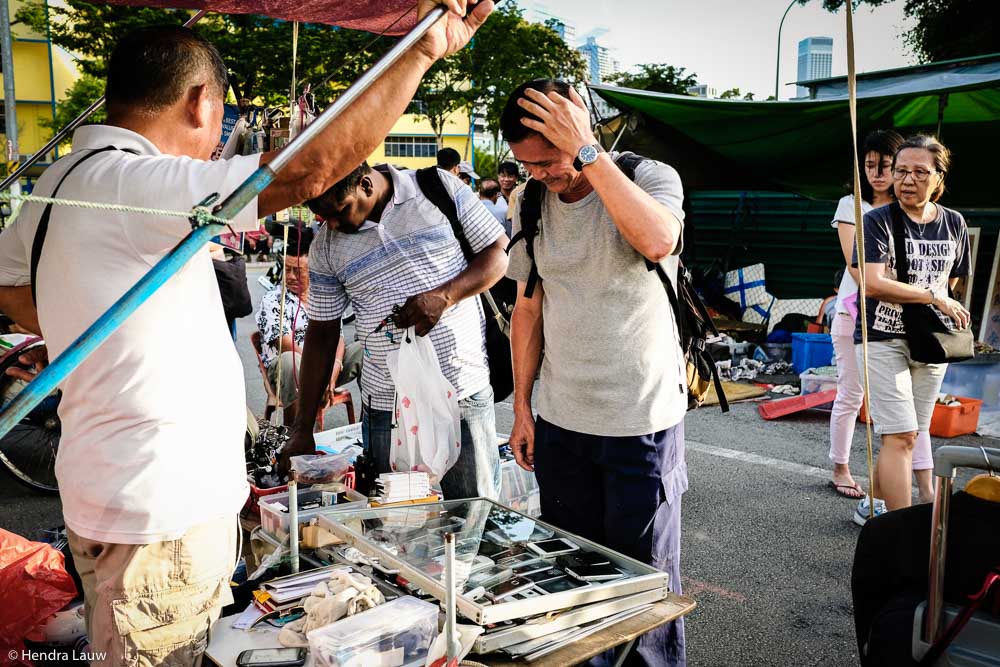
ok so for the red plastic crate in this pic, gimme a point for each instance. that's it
(951, 422)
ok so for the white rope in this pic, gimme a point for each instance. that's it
(202, 214)
(859, 239)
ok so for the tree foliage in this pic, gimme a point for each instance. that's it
(945, 29)
(736, 94)
(661, 78)
(81, 94)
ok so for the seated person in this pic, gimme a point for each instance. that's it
(889, 579)
(273, 335)
(257, 242)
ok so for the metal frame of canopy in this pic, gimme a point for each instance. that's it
(48, 379)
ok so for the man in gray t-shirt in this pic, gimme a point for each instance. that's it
(607, 446)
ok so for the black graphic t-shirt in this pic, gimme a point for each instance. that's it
(937, 251)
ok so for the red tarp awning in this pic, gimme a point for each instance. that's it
(371, 15)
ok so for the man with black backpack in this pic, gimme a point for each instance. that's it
(392, 252)
(590, 231)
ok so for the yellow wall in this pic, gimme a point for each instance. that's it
(33, 84)
(455, 135)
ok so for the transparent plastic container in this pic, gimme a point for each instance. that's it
(274, 517)
(395, 634)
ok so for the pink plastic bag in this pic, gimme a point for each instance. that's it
(34, 585)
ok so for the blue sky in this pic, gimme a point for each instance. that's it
(731, 43)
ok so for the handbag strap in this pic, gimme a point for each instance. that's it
(43, 222)
(961, 619)
(899, 239)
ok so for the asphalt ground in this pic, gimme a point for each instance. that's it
(767, 546)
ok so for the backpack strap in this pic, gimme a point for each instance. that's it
(531, 218)
(429, 181)
(43, 222)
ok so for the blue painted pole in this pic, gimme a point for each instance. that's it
(98, 332)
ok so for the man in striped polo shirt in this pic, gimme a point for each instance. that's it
(385, 244)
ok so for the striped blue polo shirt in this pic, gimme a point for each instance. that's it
(410, 251)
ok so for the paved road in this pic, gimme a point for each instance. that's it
(767, 546)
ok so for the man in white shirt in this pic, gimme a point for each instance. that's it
(150, 465)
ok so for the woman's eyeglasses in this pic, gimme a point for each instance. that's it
(919, 175)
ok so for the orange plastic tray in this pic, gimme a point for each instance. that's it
(951, 422)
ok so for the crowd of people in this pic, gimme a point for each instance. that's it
(583, 239)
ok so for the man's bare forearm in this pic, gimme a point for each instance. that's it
(16, 303)
(526, 338)
(318, 354)
(349, 140)
(483, 272)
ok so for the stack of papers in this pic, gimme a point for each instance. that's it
(286, 593)
(397, 487)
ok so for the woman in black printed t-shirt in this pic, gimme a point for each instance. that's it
(903, 391)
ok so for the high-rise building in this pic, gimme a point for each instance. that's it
(815, 60)
(600, 63)
(537, 12)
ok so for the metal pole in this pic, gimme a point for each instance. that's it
(61, 134)
(9, 96)
(451, 634)
(939, 543)
(293, 524)
(107, 323)
(777, 63)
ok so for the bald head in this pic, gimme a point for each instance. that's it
(489, 188)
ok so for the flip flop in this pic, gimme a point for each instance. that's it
(842, 490)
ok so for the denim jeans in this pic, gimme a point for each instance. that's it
(477, 471)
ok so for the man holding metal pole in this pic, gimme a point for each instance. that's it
(150, 464)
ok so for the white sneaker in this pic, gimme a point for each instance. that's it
(862, 511)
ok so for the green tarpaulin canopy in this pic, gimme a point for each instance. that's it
(804, 146)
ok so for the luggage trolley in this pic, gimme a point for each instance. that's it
(978, 643)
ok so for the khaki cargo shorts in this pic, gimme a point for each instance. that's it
(153, 604)
(903, 391)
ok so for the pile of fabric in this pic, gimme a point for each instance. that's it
(343, 594)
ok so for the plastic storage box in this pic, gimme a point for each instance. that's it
(811, 384)
(396, 634)
(519, 489)
(951, 422)
(274, 508)
(811, 351)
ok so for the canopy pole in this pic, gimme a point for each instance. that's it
(859, 240)
(108, 323)
(61, 134)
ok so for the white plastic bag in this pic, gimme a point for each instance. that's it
(427, 431)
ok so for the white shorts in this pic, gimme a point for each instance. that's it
(903, 391)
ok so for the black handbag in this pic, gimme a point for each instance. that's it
(929, 338)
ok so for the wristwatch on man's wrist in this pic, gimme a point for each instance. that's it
(587, 155)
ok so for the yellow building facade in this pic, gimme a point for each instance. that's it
(412, 143)
(43, 73)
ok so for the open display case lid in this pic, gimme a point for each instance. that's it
(490, 540)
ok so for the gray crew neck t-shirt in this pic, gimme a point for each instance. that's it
(612, 364)
(937, 251)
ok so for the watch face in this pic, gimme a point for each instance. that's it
(588, 154)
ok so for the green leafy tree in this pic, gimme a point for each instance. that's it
(486, 163)
(81, 95)
(660, 78)
(257, 49)
(736, 94)
(443, 91)
(945, 29)
(506, 52)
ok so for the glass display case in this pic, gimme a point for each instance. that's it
(508, 565)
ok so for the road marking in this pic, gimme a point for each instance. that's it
(757, 459)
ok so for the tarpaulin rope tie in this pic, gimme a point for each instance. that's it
(201, 215)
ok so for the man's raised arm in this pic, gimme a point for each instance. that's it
(365, 123)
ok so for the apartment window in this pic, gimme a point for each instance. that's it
(402, 146)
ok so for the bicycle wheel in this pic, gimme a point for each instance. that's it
(29, 450)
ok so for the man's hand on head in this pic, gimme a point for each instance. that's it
(422, 311)
(564, 122)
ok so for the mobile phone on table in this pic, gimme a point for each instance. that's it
(509, 587)
(272, 657)
(595, 573)
(559, 585)
(582, 558)
(554, 547)
(543, 575)
(518, 559)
